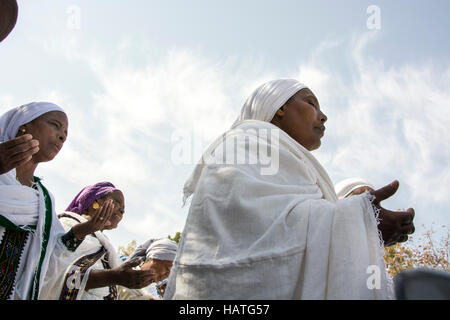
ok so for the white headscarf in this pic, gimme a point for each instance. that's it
(262, 105)
(162, 249)
(345, 187)
(26, 206)
(13, 119)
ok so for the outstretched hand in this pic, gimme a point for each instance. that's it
(394, 225)
(17, 151)
(134, 279)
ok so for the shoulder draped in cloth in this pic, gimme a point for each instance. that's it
(250, 235)
(30, 233)
(95, 252)
(68, 281)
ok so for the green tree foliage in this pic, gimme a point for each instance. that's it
(176, 238)
(129, 249)
(428, 253)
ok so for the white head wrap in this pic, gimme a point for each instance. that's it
(162, 249)
(345, 187)
(262, 105)
(13, 119)
(264, 102)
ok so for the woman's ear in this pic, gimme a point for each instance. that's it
(22, 130)
(278, 116)
(280, 112)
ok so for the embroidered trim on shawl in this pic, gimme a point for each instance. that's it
(11, 249)
(45, 238)
(4, 222)
(70, 241)
(376, 210)
(113, 292)
(77, 272)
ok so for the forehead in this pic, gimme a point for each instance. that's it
(304, 94)
(115, 195)
(158, 262)
(55, 115)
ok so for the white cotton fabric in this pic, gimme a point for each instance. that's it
(282, 236)
(345, 187)
(14, 118)
(162, 249)
(250, 235)
(58, 271)
(25, 206)
(262, 105)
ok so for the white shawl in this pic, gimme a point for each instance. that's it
(262, 105)
(282, 236)
(25, 207)
(347, 186)
(55, 282)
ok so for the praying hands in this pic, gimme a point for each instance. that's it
(16, 152)
(97, 223)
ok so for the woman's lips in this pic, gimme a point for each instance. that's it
(321, 129)
(58, 147)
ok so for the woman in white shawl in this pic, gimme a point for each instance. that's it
(31, 236)
(95, 270)
(271, 227)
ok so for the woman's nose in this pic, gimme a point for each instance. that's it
(63, 137)
(323, 117)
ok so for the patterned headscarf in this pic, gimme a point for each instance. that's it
(88, 195)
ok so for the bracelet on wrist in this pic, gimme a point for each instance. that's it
(71, 241)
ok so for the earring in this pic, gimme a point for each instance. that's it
(95, 205)
(23, 130)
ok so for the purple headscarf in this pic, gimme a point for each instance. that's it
(88, 195)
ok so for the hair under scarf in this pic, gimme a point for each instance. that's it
(14, 118)
(88, 195)
(262, 105)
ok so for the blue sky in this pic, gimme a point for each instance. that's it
(132, 73)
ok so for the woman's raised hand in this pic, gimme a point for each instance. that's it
(394, 225)
(97, 222)
(16, 152)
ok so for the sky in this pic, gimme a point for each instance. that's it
(139, 78)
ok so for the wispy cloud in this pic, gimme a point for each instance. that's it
(384, 124)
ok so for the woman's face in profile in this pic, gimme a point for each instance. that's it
(51, 130)
(302, 119)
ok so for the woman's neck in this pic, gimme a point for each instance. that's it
(25, 173)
